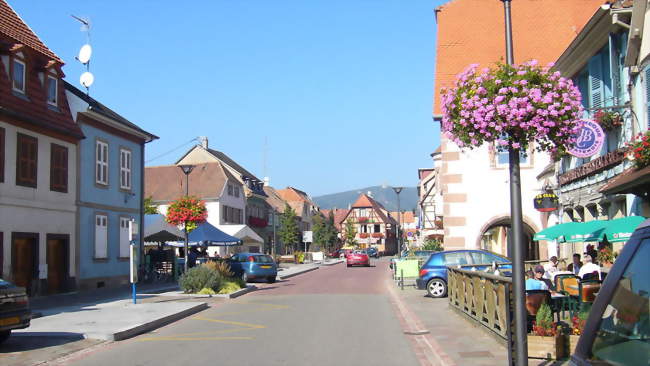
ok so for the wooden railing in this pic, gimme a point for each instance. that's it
(483, 297)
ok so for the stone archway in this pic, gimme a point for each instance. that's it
(493, 236)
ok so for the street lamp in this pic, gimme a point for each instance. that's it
(187, 169)
(518, 285)
(399, 222)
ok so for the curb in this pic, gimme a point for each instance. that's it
(231, 295)
(298, 272)
(332, 262)
(146, 327)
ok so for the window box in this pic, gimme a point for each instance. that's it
(377, 235)
(363, 235)
(363, 219)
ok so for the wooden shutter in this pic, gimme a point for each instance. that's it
(2, 155)
(615, 67)
(59, 168)
(26, 160)
(596, 84)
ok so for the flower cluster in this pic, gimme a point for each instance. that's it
(363, 235)
(512, 106)
(605, 255)
(187, 211)
(640, 150)
(608, 120)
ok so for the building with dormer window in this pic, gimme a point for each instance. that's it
(38, 163)
(373, 224)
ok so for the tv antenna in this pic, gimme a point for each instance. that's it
(87, 78)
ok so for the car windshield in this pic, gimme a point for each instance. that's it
(263, 259)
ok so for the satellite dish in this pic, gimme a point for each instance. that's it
(84, 54)
(87, 79)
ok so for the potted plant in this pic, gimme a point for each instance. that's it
(605, 256)
(577, 327)
(547, 339)
(640, 150)
(608, 120)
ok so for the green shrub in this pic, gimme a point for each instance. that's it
(206, 291)
(229, 286)
(222, 267)
(198, 278)
(432, 244)
(544, 317)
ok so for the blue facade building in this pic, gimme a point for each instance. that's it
(110, 180)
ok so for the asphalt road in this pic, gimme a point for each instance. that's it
(332, 316)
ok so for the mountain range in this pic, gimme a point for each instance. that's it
(384, 195)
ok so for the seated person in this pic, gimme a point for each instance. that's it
(551, 267)
(575, 265)
(588, 268)
(534, 280)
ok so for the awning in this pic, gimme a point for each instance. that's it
(155, 228)
(630, 181)
(621, 229)
(242, 232)
(212, 236)
(557, 232)
(587, 231)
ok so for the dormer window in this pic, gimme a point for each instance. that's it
(52, 90)
(18, 76)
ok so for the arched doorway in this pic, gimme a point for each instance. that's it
(494, 237)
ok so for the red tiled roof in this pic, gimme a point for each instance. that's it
(472, 31)
(424, 172)
(407, 216)
(363, 201)
(13, 26)
(274, 199)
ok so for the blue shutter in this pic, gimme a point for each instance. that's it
(615, 67)
(596, 87)
(647, 95)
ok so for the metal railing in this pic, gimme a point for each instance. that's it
(483, 297)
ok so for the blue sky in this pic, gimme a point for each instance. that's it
(340, 90)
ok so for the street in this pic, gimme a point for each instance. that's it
(335, 315)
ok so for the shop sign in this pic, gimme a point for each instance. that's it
(599, 164)
(546, 202)
(590, 140)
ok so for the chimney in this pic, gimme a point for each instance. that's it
(266, 181)
(203, 140)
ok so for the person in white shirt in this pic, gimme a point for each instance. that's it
(588, 267)
(550, 268)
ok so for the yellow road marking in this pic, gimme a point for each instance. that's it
(247, 325)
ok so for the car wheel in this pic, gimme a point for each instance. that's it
(4, 335)
(349, 265)
(244, 277)
(270, 279)
(437, 287)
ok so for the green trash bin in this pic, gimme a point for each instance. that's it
(409, 267)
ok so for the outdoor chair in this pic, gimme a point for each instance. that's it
(588, 290)
(558, 281)
(567, 283)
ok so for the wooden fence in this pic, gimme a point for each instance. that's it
(483, 297)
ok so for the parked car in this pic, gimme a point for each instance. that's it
(416, 253)
(433, 273)
(334, 253)
(253, 266)
(617, 331)
(372, 252)
(343, 253)
(14, 309)
(358, 258)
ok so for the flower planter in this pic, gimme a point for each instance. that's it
(572, 342)
(550, 348)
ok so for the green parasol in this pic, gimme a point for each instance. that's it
(587, 231)
(619, 230)
(557, 232)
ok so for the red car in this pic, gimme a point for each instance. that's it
(358, 258)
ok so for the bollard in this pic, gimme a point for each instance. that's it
(402, 279)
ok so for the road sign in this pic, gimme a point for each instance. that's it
(307, 236)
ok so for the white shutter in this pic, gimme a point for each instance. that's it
(125, 169)
(124, 237)
(101, 236)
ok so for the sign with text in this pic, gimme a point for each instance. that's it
(546, 202)
(589, 141)
(307, 236)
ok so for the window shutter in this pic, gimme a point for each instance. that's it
(647, 94)
(596, 87)
(615, 67)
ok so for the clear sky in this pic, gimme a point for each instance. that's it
(341, 90)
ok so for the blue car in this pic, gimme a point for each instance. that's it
(253, 266)
(433, 274)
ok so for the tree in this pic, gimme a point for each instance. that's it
(149, 207)
(289, 231)
(332, 232)
(432, 244)
(350, 234)
(320, 231)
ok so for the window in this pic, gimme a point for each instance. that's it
(2, 154)
(101, 162)
(457, 258)
(125, 169)
(101, 236)
(623, 336)
(26, 160)
(236, 190)
(230, 190)
(124, 237)
(503, 158)
(18, 76)
(52, 90)
(377, 228)
(59, 168)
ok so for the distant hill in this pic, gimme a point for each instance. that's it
(408, 198)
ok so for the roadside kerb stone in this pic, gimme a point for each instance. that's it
(231, 295)
(296, 272)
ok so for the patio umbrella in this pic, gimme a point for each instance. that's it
(587, 231)
(557, 232)
(619, 230)
(210, 235)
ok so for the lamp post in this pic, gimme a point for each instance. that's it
(187, 169)
(399, 222)
(518, 285)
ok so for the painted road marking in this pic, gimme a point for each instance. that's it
(195, 339)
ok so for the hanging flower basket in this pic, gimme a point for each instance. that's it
(640, 150)
(512, 106)
(187, 212)
(608, 120)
